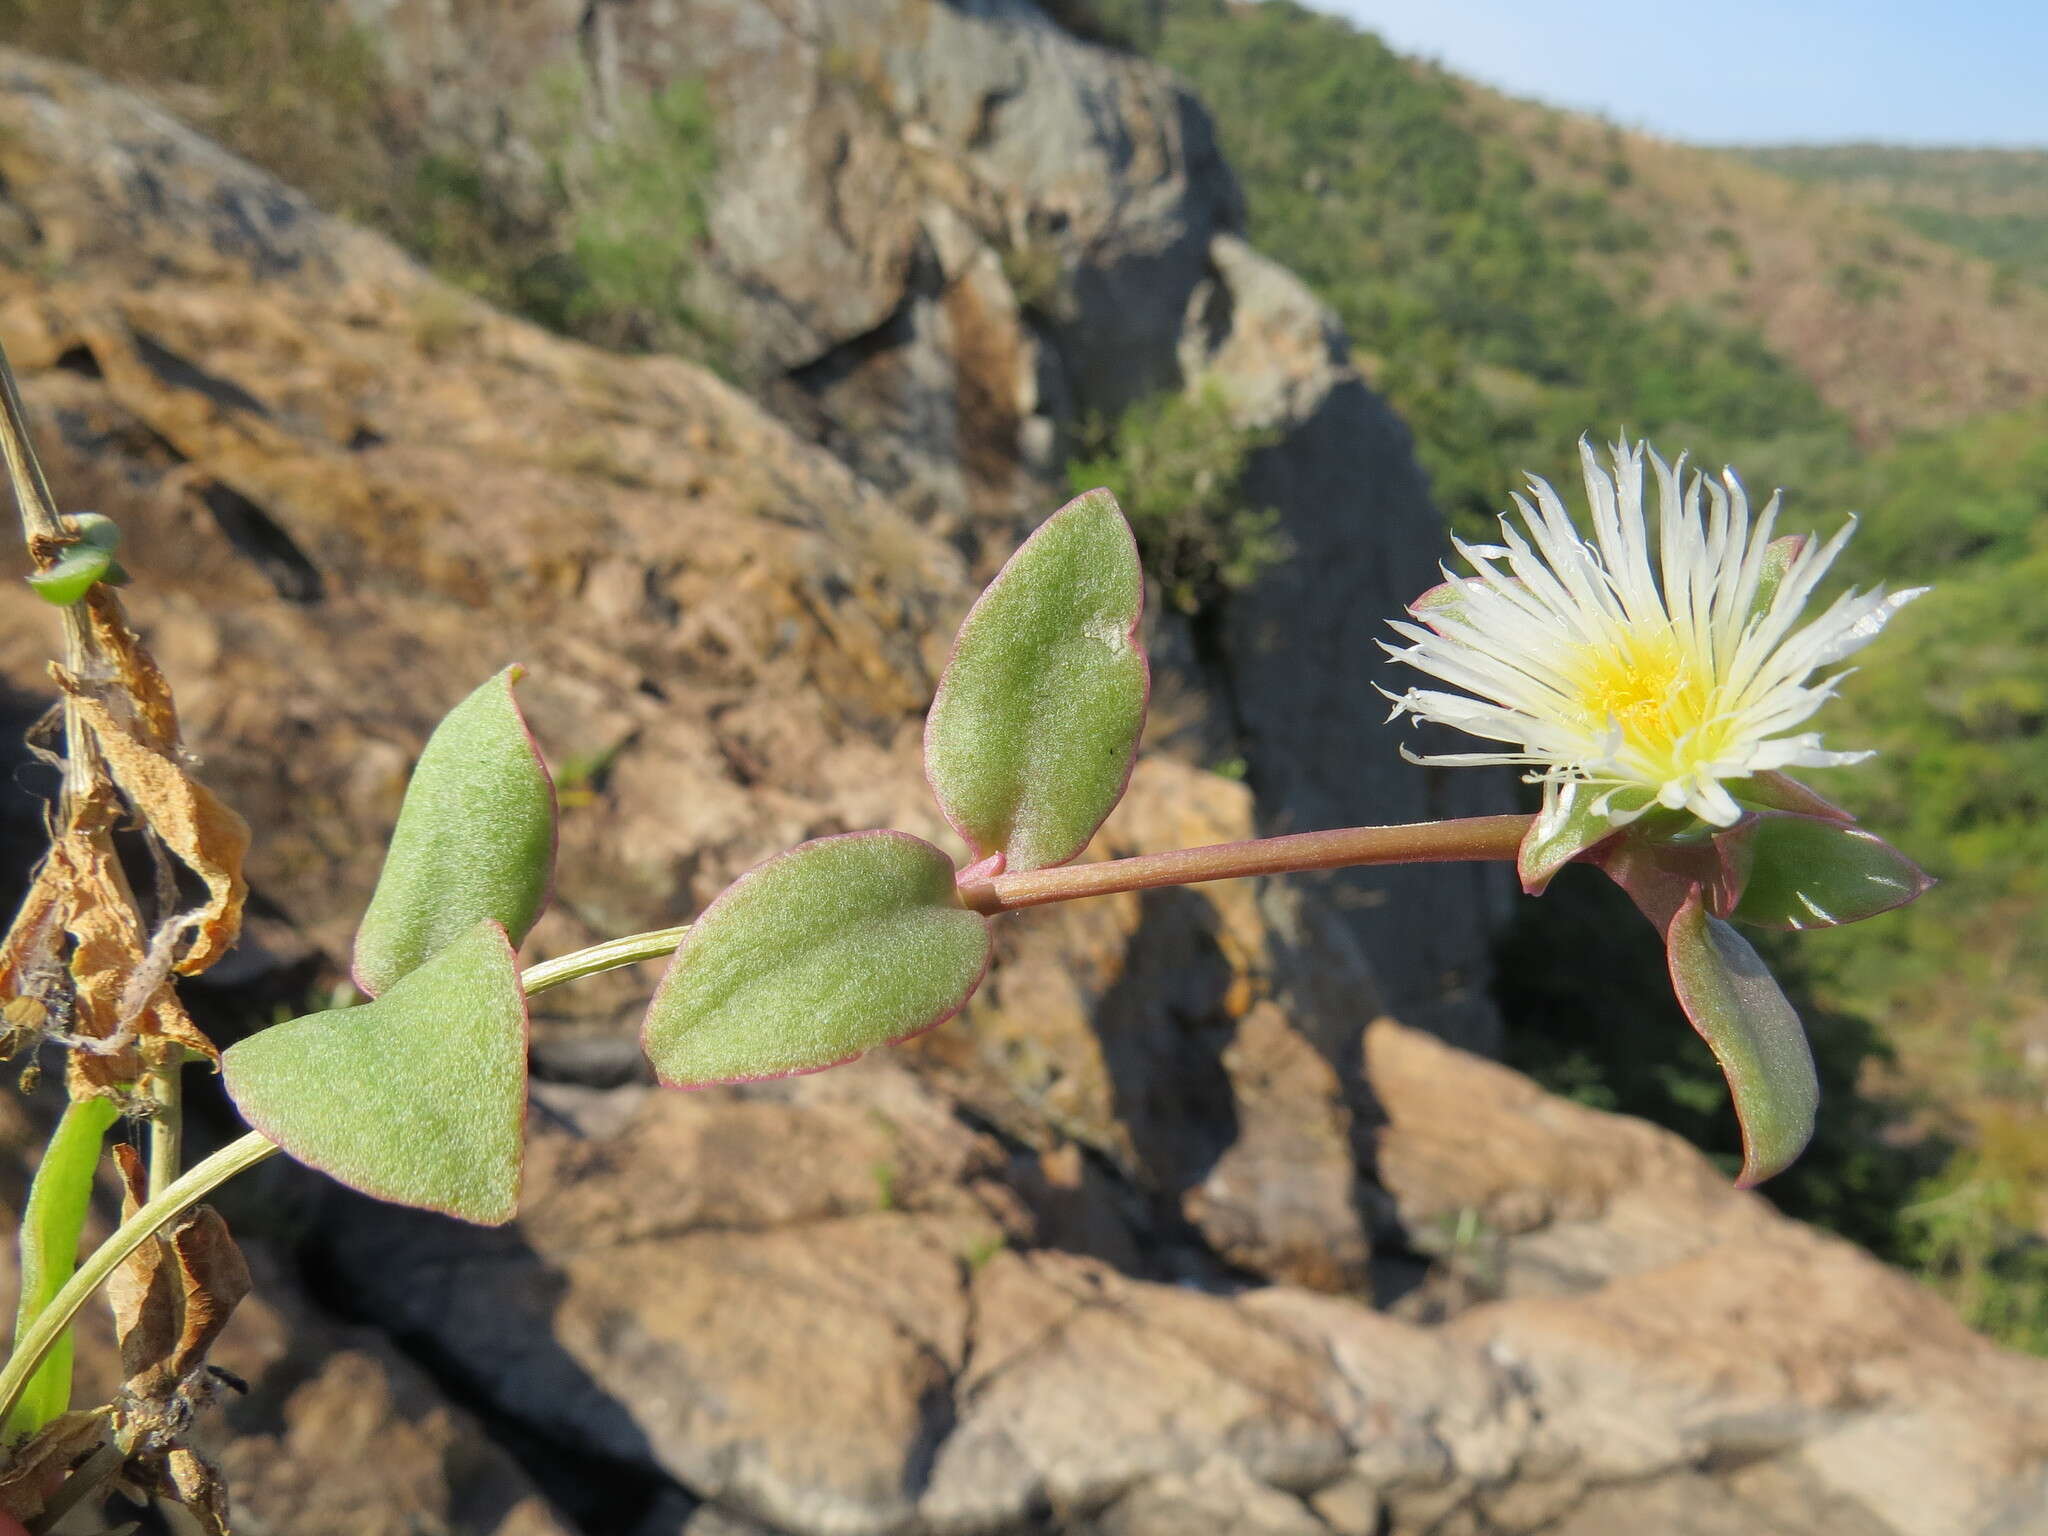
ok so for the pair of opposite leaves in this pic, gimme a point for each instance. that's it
(820, 954)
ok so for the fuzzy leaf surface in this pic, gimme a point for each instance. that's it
(1811, 872)
(811, 959)
(475, 839)
(1739, 1010)
(418, 1097)
(1035, 726)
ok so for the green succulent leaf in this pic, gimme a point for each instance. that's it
(97, 530)
(66, 582)
(813, 958)
(475, 839)
(418, 1097)
(1812, 872)
(1568, 825)
(1031, 738)
(1774, 791)
(1739, 1010)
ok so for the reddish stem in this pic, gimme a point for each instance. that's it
(1427, 842)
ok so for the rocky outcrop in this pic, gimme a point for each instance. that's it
(844, 1254)
(1099, 1258)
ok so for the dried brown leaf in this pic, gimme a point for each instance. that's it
(29, 953)
(213, 1277)
(109, 950)
(141, 1292)
(114, 987)
(207, 837)
(171, 1299)
(37, 1470)
(136, 675)
(196, 1483)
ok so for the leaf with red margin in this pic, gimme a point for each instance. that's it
(1567, 827)
(816, 957)
(1799, 872)
(1032, 735)
(1774, 791)
(1658, 873)
(418, 1098)
(475, 839)
(1739, 1010)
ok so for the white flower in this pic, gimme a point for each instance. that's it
(1668, 670)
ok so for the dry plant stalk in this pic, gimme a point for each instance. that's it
(87, 964)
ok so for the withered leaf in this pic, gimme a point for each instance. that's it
(196, 1483)
(207, 837)
(171, 1299)
(37, 1470)
(79, 890)
(134, 671)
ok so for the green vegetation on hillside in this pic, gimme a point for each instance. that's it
(1175, 462)
(294, 88)
(1992, 203)
(1456, 274)
(1957, 704)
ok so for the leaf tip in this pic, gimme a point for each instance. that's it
(1738, 1008)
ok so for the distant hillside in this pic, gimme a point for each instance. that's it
(1896, 329)
(1516, 274)
(1478, 296)
(1992, 203)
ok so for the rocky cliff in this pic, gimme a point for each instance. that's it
(1170, 1235)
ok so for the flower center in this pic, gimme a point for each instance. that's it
(1643, 685)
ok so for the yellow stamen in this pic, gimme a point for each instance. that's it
(1643, 684)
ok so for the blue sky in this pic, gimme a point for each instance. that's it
(1751, 71)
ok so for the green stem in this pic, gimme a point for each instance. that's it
(601, 957)
(1428, 842)
(51, 1225)
(166, 1125)
(54, 1319)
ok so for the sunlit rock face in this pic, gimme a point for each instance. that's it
(1102, 1256)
